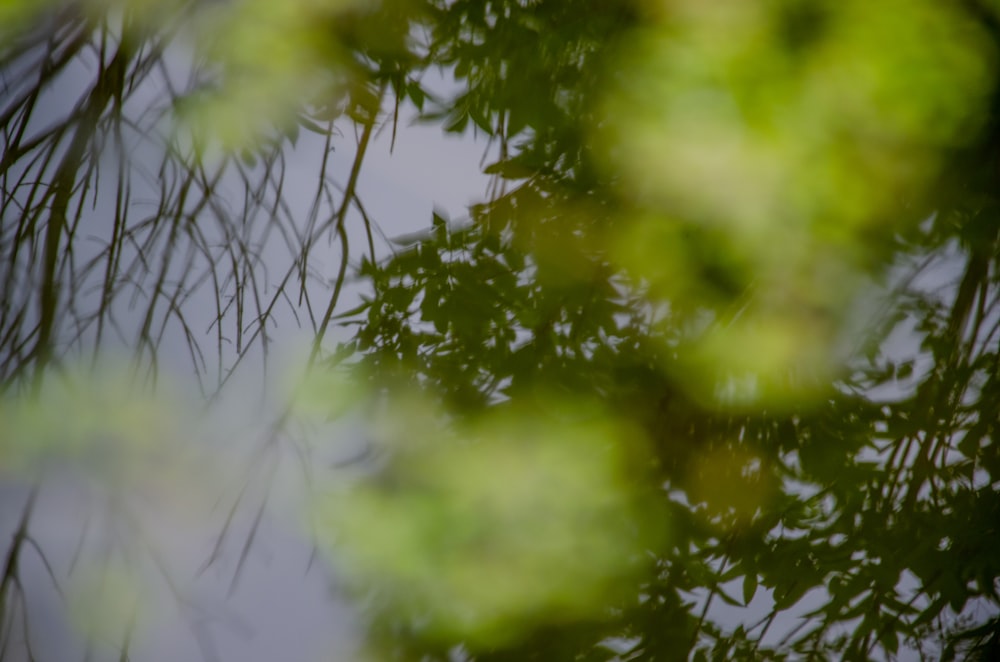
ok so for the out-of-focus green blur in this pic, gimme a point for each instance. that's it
(777, 137)
(483, 531)
(266, 59)
(273, 57)
(96, 421)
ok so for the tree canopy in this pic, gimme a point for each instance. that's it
(709, 372)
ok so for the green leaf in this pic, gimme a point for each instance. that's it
(790, 595)
(309, 125)
(749, 587)
(509, 169)
(416, 94)
(729, 600)
(969, 445)
(889, 639)
(457, 123)
(481, 120)
(516, 120)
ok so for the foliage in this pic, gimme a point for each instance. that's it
(708, 285)
(712, 373)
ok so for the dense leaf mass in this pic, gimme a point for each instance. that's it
(857, 512)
